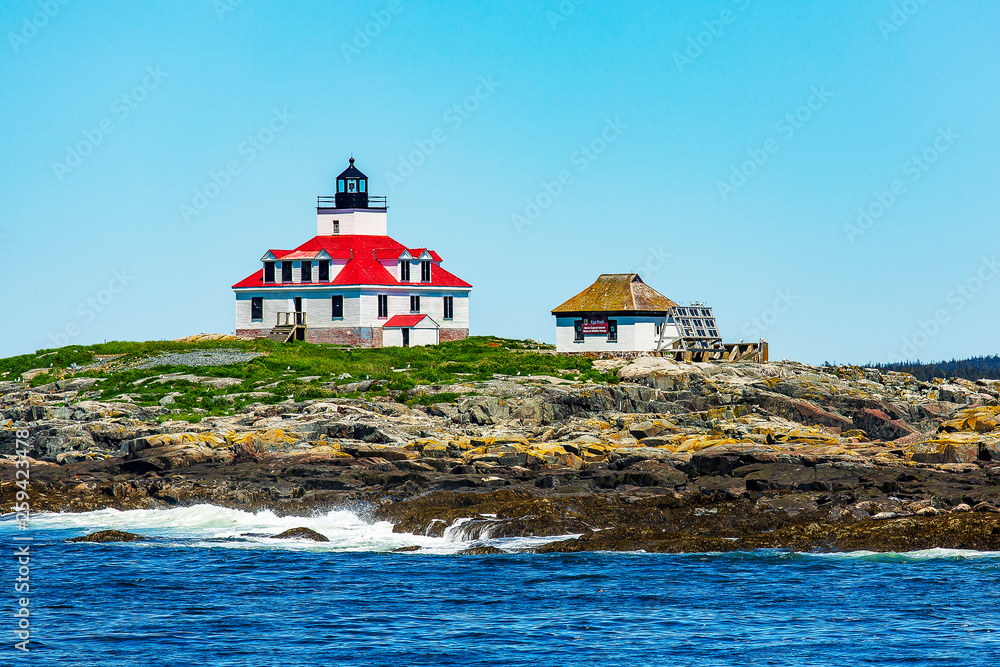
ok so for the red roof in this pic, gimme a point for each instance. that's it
(404, 321)
(362, 267)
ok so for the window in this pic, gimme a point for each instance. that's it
(338, 307)
(307, 272)
(449, 308)
(612, 331)
(404, 271)
(336, 227)
(414, 304)
(425, 271)
(578, 331)
(352, 185)
(383, 305)
(286, 272)
(659, 327)
(324, 271)
(361, 185)
(257, 309)
(268, 272)
(340, 185)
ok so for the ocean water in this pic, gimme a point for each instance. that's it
(201, 593)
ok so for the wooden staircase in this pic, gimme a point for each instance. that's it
(288, 327)
(281, 334)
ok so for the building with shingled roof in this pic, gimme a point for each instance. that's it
(352, 284)
(621, 313)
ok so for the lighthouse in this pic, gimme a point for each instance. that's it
(352, 284)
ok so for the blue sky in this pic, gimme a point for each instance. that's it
(823, 175)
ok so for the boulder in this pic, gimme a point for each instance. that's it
(176, 455)
(302, 533)
(880, 426)
(943, 451)
(102, 536)
(481, 551)
(648, 429)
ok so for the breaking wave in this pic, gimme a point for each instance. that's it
(210, 526)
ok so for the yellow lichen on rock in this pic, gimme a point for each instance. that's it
(699, 442)
(979, 420)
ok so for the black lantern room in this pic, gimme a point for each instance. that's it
(352, 188)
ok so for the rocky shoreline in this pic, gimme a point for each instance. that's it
(673, 458)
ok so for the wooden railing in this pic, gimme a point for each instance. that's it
(291, 319)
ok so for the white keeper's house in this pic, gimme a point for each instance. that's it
(621, 313)
(352, 284)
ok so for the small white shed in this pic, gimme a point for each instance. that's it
(618, 313)
(410, 331)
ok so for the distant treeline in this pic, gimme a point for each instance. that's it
(976, 368)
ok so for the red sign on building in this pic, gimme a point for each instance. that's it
(595, 326)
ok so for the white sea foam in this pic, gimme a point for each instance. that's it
(922, 554)
(221, 527)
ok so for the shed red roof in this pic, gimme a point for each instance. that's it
(404, 321)
(362, 267)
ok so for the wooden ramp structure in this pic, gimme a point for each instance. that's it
(726, 352)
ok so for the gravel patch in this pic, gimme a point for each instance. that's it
(220, 357)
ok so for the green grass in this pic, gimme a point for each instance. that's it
(473, 359)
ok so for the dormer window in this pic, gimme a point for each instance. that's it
(425, 271)
(324, 271)
(404, 271)
(268, 272)
(286, 272)
(307, 272)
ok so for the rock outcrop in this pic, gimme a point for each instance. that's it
(103, 536)
(301, 533)
(836, 446)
